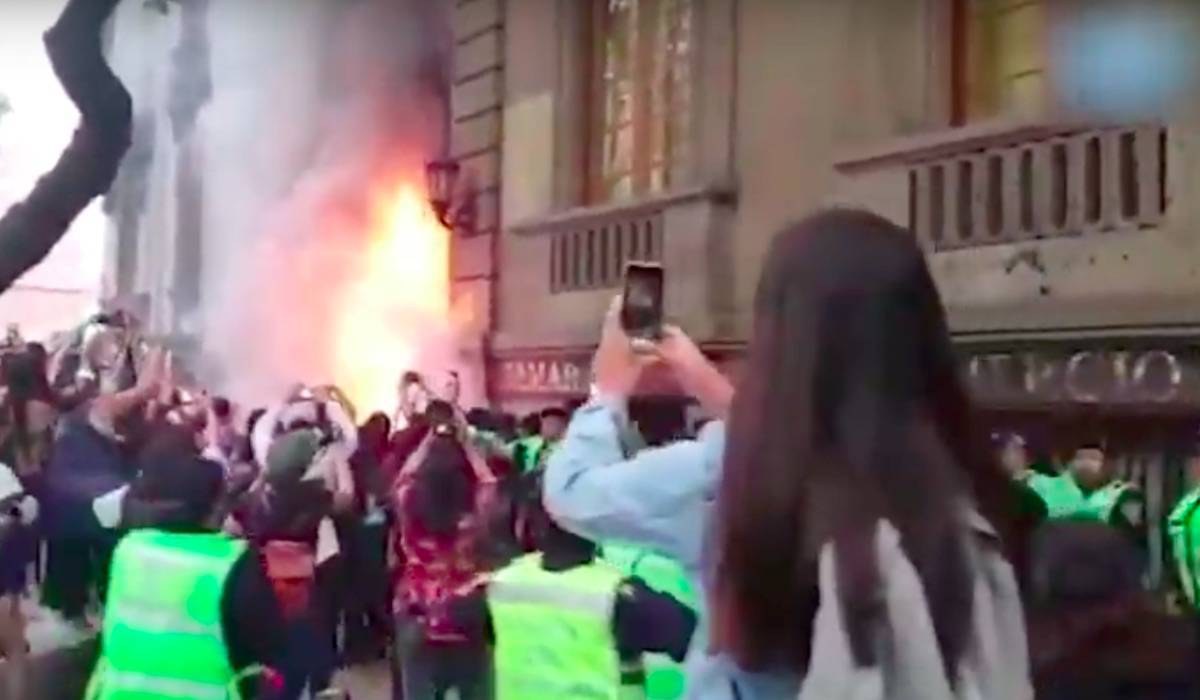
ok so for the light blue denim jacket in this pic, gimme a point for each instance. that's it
(663, 499)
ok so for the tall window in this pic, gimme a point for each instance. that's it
(1001, 58)
(641, 98)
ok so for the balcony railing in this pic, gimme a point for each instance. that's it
(975, 189)
(592, 254)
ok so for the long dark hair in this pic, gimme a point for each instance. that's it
(850, 411)
(23, 373)
(443, 490)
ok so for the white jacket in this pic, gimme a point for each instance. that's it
(994, 667)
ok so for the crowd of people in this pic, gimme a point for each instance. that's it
(844, 527)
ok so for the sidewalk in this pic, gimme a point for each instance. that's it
(60, 660)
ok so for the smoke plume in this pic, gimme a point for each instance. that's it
(320, 113)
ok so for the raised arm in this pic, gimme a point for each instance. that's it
(658, 498)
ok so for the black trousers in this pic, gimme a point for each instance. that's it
(425, 670)
(365, 610)
(75, 568)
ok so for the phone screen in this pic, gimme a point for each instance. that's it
(642, 307)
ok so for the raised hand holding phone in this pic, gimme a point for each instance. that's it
(696, 374)
(616, 367)
(641, 311)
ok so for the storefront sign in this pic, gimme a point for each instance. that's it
(1098, 376)
(544, 376)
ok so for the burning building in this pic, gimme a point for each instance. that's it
(273, 208)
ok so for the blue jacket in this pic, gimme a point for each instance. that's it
(663, 499)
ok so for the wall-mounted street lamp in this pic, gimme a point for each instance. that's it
(453, 205)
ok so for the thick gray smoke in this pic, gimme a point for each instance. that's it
(314, 104)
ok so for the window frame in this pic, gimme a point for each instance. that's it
(962, 61)
(599, 186)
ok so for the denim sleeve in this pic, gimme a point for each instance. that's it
(659, 498)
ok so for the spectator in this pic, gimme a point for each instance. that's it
(534, 614)
(18, 543)
(27, 416)
(1029, 510)
(851, 435)
(93, 462)
(441, 490)
(363, 531)
(285, 516)
(530, 452)
(1094, 633)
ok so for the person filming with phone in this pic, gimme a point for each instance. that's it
(842, 501)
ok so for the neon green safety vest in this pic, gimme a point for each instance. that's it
(1183, 528)
(162, 624)
(554, 633)
(665, 679)
(530, 452)
(1064, 499)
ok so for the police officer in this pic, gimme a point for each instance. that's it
(1183, 529)
(567, 625)
(665, 679)
(190, 612)
(1087, 490)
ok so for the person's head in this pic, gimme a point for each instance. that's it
(290, 457)
(374, 434)
(443, 490)
(439, 412)
(530, 425)
(452, 388)
(481, 419)
(1078, 562)
(1089, 466)
(554, 424)
(23, 373)
(1013, 453)
(174, 488)
(222, 409)
(850, 411)
(545, 533)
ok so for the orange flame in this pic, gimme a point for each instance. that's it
(398, 300)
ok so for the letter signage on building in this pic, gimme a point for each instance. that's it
(559, 376)
(1091, 376)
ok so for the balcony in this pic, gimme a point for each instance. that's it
(1046, 227)
(997, 184)
(561, 270)
(591, 253)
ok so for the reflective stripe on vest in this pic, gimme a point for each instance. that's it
(537, 593)
(1064, 499)
(150, 618)
(554, 632)
(121, 683)
(163, 635)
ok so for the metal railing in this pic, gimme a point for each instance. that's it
(1077, 183)
(592, 254)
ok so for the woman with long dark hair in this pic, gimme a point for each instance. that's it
(440, 494)
(27, 413)
(847, 521)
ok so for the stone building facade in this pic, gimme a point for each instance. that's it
(690, 131)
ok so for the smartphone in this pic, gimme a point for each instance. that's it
(642, 302)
